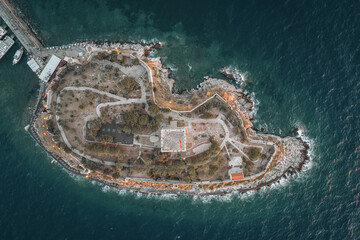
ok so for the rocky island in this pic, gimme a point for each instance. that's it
(108, 111)
(110, 114)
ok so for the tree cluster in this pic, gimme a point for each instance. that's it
(64, 146)
(106, 139)
(204, 156)
(129, 84)
(90, 164)
(254, 153)
(154, 109)
(100, 149)
(94, 128)
(56, 84)
(51, 127)
(135, 121)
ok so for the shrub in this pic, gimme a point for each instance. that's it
(90, 164)
(207, 115)
(116, 175)
(94, 128)
(213, 169)
(129, 84)
(254, 153)
(135, 61)
(204, 156)
(106, 139)
(154, 109)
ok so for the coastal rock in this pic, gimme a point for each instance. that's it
(233, 74)
(158, 45)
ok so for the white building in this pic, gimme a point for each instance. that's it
(33, 65)
(49, 69)
(5, 45)
(2, 32)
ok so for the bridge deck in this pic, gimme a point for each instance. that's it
(19, 27)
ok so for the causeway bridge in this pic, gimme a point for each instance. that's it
(20, 28)
(28, 38)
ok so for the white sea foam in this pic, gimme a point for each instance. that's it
(76, 177)
(153, 53)
(248, 195)
(256, 104)
(168, 65)
(237, 75)
(162, 196)
(190, 67)
(225, 198)
(309, 141)
(106, 188)
(172, 67)
(207, 199)
(278, 185)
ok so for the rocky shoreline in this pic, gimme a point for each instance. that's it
(246, 106)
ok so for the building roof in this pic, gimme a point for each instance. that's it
(173, 140)
(5, 45)
(173, 124)
(49, 68)
(33, 65)
(2, 31)
(236, 176)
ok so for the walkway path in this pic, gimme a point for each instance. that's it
(173, 113)
(63, 133)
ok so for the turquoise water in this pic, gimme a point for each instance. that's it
(303, 62)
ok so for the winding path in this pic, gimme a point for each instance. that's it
(176, 114)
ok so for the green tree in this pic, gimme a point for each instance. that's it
(254, 153)
(135, 61)
(132, 124)
(113, 55)
(106, 139)
(213, 169)
(144, 120)
(116, 175)
(154, 109)
(129, 83)
(94, 128)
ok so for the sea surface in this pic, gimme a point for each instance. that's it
(302, 62)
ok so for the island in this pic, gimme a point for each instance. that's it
(108, 111)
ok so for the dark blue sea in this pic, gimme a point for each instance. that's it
(302, 60)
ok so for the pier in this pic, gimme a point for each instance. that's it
(38, 54)
(20, 28)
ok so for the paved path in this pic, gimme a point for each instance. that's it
(92, 90)
(121, 101)
(175, 114)
(63, 135)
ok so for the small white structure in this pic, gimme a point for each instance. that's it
(5, 45)
(2, 32)
(33, 65)
(154, 139)
(50, 68)
(236, 171)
